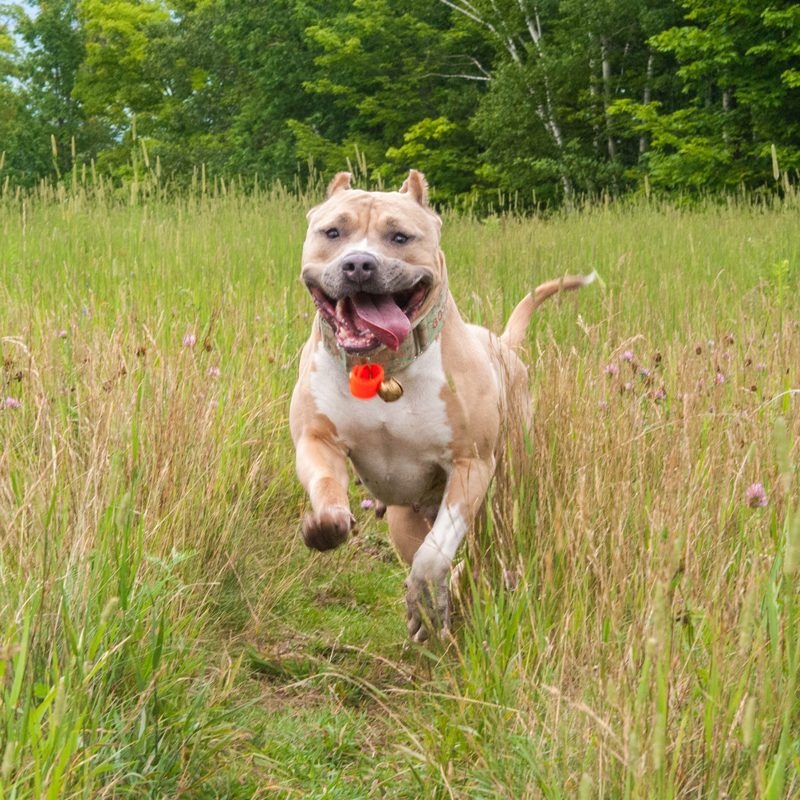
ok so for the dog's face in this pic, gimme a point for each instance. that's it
(372, 262)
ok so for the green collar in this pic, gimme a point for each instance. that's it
(418, 341)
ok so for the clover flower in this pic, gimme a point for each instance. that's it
(756, 496)
(12, 402)
(367, 504)
(611, 370)
(189, 340)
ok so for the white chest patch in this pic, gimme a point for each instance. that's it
(401, 450)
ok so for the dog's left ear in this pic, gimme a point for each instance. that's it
(416, 185)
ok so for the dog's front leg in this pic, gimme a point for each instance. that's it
(322, 469)
(426, 586)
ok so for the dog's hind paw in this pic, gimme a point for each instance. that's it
(327, 529)
(427, 604)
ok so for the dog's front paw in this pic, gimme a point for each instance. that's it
(427, 596)
(327, 529)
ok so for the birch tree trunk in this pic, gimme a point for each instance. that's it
(612, 149)
(646, 98)
(488, 15)
(726, 107)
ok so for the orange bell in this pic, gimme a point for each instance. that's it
(365, 380)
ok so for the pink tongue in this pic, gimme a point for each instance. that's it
(383, 317)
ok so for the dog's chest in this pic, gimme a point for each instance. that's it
(401, 450)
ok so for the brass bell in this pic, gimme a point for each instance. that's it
(390, 390)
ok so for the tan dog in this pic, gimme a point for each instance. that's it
(373, 265)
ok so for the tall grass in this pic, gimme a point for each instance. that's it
(631, 627)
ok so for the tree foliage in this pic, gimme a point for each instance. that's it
(737, 65)
(544, 99)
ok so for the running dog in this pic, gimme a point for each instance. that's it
(427, 444)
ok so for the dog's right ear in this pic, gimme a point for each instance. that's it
(340, 183)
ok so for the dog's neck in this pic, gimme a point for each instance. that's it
(416, 343)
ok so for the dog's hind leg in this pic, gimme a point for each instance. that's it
(408, 528)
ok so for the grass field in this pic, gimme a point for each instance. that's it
(632, 630)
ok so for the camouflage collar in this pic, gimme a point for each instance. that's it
(421, 337)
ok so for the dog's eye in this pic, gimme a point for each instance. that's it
(332, 233)
(399, 238)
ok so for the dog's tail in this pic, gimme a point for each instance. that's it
(517, 326)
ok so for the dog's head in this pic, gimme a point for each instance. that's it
(372, 262)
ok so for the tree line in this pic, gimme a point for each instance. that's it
(540, 99)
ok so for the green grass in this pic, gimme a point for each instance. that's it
(631, 629)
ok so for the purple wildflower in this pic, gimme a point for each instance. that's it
(627, 356)
(189, 340)
(726, 355)
(12, 402)
(710, 344)
(628, 386)
(367, 504)
(719, 378)
(611, 370)
(258, 317)
(214, 372)
(756, 496)
(62, 333)
(214, 403)
(602, 405)
(305, 315)
(761, 367)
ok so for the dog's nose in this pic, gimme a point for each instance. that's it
(359, 267)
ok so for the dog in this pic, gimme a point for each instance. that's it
(428, 451)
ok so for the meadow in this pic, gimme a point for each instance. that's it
(631, 629)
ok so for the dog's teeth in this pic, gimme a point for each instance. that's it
(340, 308)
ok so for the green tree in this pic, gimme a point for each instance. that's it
(401, 91)
(268, 59)
(545, 123)
(45, 110)
(738, 71)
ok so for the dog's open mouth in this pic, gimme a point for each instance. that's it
(365, 321)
